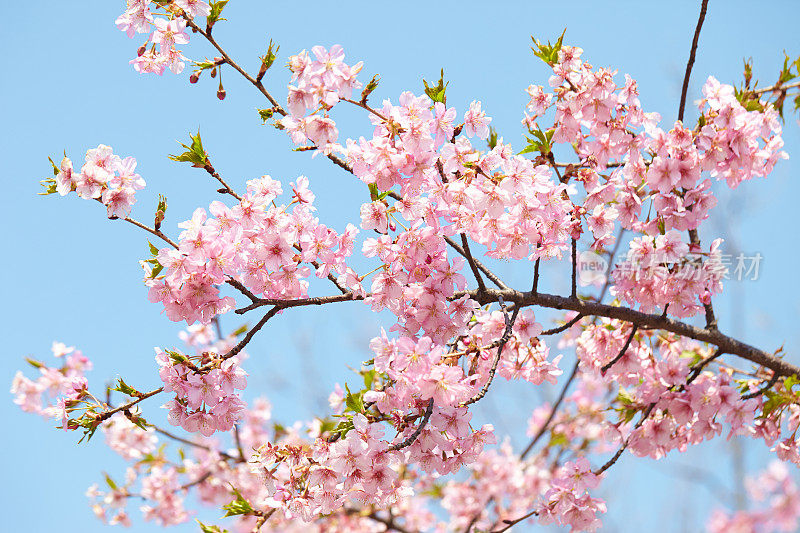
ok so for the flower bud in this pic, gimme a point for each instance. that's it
(221, 93)
(194, 77)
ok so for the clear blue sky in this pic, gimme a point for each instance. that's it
(73, 276)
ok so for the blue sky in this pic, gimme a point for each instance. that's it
(71, 275)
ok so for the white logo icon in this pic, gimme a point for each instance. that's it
(592, 268)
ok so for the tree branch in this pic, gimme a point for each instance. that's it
(690, 63)
(410, 440)
(712, 336)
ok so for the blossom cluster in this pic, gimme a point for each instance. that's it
(659, 272)
(258, 241)
(319, 84)
(780, 510)
(400, 443)
(105, 177)
(164, 31)
(205, 401)
(57, 390)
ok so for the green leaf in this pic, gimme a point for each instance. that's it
(153, 249)
(558, 439)
(326, 425)
(492, 140)
(238, 506)
(373, 191)
(533, 146)
(194, 154)
(177, 356)
(624, 397)
(267, 60)
(138, 421)
(437, 92)
(110, 482)
(161, 212)
(205, 65)
(548, 52)
(210, 529)
(34, 363)
(124, 388)
(354, 402)
(774, 402)
(371, 86)
(241, 330)
(343, 427)
(49, 184)
(265, 114)
(216, 10)
(369, 377)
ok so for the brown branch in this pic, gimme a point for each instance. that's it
(712, 336)
(367, 107)
(390, 524)
(512, 523)
(410, 440)
(564, 327)
(768, 385)
(250, 334)
(624, 446)
(258, 85)
(300, 302)
(605, 368)
(574, 291)
(238, 440)
(779, 87)
(208, 167)
(552, 414)
(503, 341)
(235, 283)
(153, 231)
(692, 54)
(472, 265)
(262, 519)
(105, 415)
(491, 276)
(188, 442)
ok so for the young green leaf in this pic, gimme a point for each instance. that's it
(239, 506)
(194, 154)
(437, 92)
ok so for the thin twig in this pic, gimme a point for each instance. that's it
(552, 414)
(410, 440)
(624, 349)
(472, 265)
(778, 87)
(713, 336)
(574, 292)
(512, 523)
(153, 231)
(226, 189)
(624, 446)
(769, 384)
(188, 442)
(692, 54)
(299, 302)
(503, 341)
(563, 327)
(105, 415)
(250, 334)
